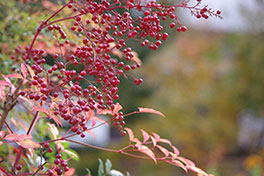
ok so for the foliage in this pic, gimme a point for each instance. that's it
(108, 171)
(205, 87)
(69, 74)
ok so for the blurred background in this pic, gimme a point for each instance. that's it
(208, 81)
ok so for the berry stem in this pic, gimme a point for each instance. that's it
(9, 128)
(3, 170)
(18, 156)
(39, 169)
(33, 123)
(43, 25)
(92, 146)
(62, 19)
(33, 41)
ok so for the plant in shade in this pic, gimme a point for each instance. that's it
(87, 41)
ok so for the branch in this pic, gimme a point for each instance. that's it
(10, 102)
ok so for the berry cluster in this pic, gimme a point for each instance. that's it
(105, 30)
(102, 58)
(60, 165)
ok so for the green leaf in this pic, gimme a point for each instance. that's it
(88, 172)
(72, 153)
(108, 166)
(115, 173)
(100, 168)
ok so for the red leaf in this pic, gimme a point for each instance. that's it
(31, 71)
(2, 93)
(56, 120)
(70, 172)
(145, 135)
(156, 136)
(186, 161)
(173, 156)
(47, 112)
(175, 150)
(17, 137)
(99, 119)
(93, 122)
(131, 136)
(15, 75)
(165, 141)
(149, 110)
(117, 108)
(153, 141)
(179, 164)
(105, 111)
(28, 144)
(163, 150)
(197, 170)
(35, 108)
(4, 83)
(53, 129)
(2, 134)
(10, 83)
(91, 133)
(144, 149)
(90, 114)
(135, 58)
(24, 70)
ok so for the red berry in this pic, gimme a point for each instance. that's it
(78, 18)
(123, 133)
(18, 167)
(172, 25)
(127, 67)
(57, 161)
(165, 36)
(46, 144)
(22, 93)
(50, 27)
(83, 73)
(58, 156)
(50, 172)
(50, 150)
(183, 28)
(69, 5)
(179, 29)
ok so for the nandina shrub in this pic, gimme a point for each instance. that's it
(87, 41)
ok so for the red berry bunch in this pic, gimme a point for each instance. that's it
(91, 48)
(104, 31)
